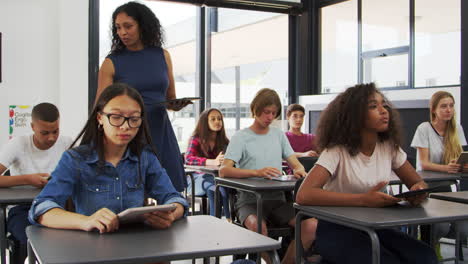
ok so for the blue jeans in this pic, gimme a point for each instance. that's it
(343, 245)
(208, 186)
(16, 224)
(205, 185)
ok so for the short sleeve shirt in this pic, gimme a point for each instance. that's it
(254, 151)
(426, 137)
(360, 173)
(21, 156)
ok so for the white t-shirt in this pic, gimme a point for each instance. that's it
(426, 137)
(359, 173)
(21, 156)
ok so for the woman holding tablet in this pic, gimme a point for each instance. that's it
(113, 169)
(359, 141)
(138, 59)
(439, 142)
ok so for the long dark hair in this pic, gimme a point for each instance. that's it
(202, 131)
(343, 119)
(151, 32)
(93, 136)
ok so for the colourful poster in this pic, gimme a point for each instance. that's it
(19, 120)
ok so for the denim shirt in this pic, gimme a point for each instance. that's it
(93, 186)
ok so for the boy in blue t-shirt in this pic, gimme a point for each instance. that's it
(258, 151)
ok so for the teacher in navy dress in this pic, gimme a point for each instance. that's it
(138, 59)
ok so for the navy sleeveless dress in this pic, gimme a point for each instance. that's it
(146, 71)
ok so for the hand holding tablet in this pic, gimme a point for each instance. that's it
(136, 214)
(409, 194)
(179, 103)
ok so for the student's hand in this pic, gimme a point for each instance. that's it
(103, 220)
(268, 172)
(216, 162)
(418, 199)
(300, 173)
(178, 105)
(160, 219)
(453, 167)
(38, 179)
(375, 198)
(309, 153)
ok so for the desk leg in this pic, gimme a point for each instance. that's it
(375, 245)
(31, 255)
(193, 192)
(259, 212)
(259, 219)
(372, 235)
(3, 239)
(217, 202)
(457, 243)
(274, 257)
(299, 249)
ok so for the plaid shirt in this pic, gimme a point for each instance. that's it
(193, 155)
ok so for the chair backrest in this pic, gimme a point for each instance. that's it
(296, 187)
(308, 162)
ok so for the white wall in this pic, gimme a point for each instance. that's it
(73, 65)
(45, 58)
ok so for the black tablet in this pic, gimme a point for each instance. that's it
(181, 99)
(422, 191)
(463, 158)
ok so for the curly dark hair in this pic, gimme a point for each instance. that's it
(342, 120)
(151, 32)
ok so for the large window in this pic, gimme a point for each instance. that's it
(385, 42)
(247, 55)
(380, 48)
(179, 24)
(339, 47)
(437, 43)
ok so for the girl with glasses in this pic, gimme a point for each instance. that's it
(113, 169)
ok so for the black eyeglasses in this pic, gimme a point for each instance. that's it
(118, 120)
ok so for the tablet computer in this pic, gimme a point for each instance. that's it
(181, 99)
(463, 158)
(421, 191)
(135, 214)
(284, 178)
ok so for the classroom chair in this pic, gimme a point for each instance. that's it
(308, 162)
(275, 232)
(191, 197)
